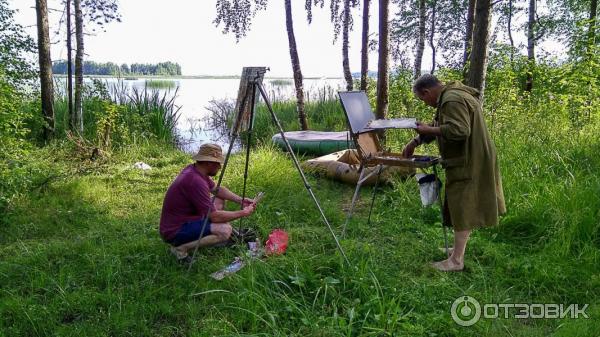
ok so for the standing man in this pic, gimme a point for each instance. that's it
(474, 196)
(189, 218)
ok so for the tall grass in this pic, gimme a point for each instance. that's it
(161, 84)
(114, 276)
(159, 109)
(142, 113)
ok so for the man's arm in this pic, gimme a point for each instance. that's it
(423, 138)
(457, 121)
(227, 216)
(226, 194)
(427, 132)
(426, 135)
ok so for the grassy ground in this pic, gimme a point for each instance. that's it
(80, 254)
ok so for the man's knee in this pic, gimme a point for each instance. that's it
(219, 204)
(224, 231)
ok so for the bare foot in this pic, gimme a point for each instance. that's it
(448, 265)
(179, 253)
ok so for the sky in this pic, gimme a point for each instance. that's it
(183, 31)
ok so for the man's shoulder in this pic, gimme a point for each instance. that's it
(454, 95)
(189, 177)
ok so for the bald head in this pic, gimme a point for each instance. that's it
(428, 88)
(426, 81)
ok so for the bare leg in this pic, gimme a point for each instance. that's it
(220, 232)
(219, 204)
(456, 260)
(460, 245)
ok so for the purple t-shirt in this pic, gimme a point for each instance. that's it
(187, 199)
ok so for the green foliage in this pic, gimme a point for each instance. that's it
(117, 116)
(15, 49)
(158, 110)
(236, 16)
(12, 143)
(15, 72)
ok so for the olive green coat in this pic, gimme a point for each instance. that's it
(474, 196)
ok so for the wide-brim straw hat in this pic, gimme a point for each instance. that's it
(209, 152)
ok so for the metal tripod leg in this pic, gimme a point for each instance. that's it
(354, 197)
(231, 143)
(248, 144)
(435, 173)
(379, 171)
(218, 186)
(297, 164)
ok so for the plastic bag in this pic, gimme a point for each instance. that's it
(232, 268)
(428, 188)
(277, 242)
(142, 166)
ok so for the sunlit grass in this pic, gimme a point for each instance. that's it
(91, 260)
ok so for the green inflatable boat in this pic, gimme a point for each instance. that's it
(315, 142)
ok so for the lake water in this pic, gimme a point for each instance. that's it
(194, 96)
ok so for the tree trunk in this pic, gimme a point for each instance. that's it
(78, 121)
(69, 69)
(420, 39)
(432, 34)
(289, 23)
(479, 53)
(384, 57)
(364, 52)
(468, 38)
(345, 43)
(509, 29)
(530, 45)
(592, 26)
(45, 62)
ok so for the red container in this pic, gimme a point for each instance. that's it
(277, 242)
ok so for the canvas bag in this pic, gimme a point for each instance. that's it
(428, 188)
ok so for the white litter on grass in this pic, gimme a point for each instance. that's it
(142, 166)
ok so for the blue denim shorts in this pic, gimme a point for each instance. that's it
(190, 231)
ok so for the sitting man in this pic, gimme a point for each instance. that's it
(189, 218)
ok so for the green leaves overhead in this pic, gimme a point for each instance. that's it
(236, 15)
(101, 12)
(15, 48)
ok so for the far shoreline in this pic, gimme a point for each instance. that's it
(199, 77)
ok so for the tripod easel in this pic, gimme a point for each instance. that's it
(250, 82)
